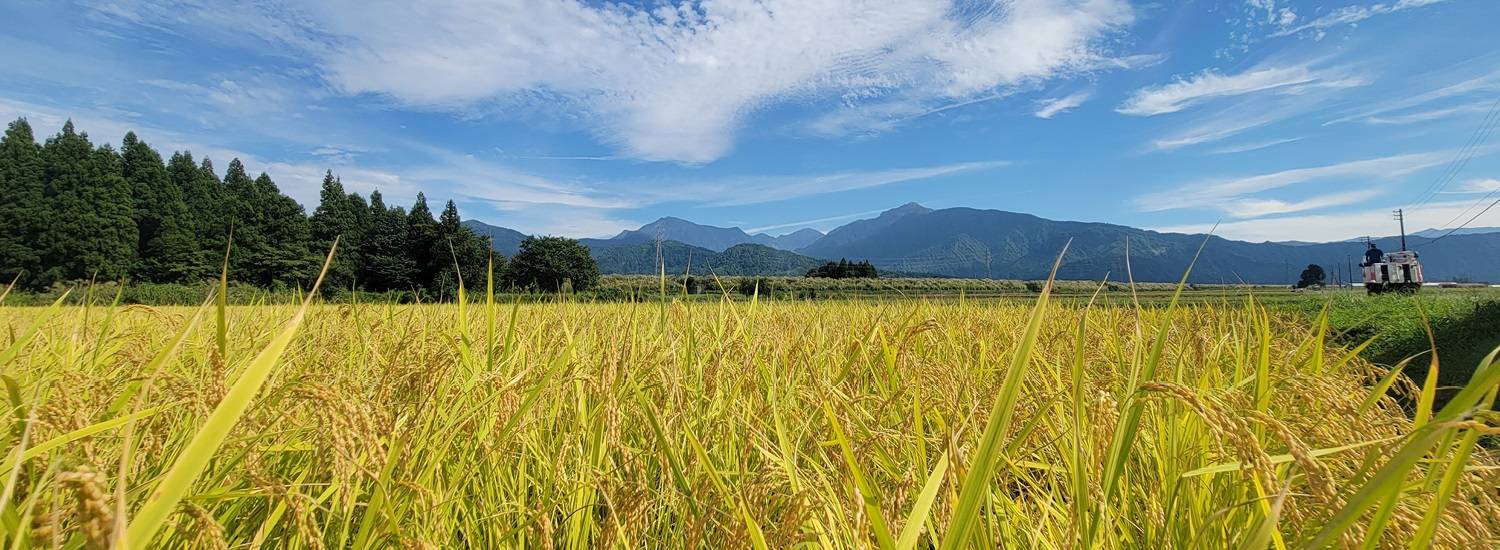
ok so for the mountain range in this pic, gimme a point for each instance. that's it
(717, 239)
(968, 242)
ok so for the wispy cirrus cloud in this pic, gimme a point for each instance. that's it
(1209, 84)
(1344, 224)
(1470, 86)
(739, 191)
(671, 82)
(1252, 207)
(1347, 15)
(1048, 108)
(1211, 129)
(1477, 185)
(824, 222)
(1253, 146)
(1429, 115)
(1226, 194)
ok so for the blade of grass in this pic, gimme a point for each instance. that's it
(127, 445)
(10, 287)
(1388, 479)
(1125, 432)
(976, 485)
(206, 442)
(20, 343)
(868, 494)
(912, 528)
(221, 302)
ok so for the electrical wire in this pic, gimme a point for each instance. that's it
(1461, 159)
(1471, 220)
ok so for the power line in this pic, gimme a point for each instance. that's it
(1471, 207)
(1461, 159)
(1471, 220)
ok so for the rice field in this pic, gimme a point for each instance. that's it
(673, 423)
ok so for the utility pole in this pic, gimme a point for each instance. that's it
(1401, 219)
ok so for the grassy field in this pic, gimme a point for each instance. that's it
(861, 423)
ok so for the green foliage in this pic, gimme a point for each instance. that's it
(551, 264)
(73, 213)
(386, 263)
(88, 229)
(458, 252)
(22, 210)
(203, 194)
(338, 216)
(1463, 325)
(843, 269)
(756, 286)
(164, 225)
(428, 252)
(1312, 276)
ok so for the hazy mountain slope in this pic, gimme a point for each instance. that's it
(794, 240)
(677, 229)
(967, 242)
(861, 229)
(743, 259)
(506, 240)
(1435, 233)
(991, 243)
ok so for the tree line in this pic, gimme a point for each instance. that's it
(72, 211)
(844, 269)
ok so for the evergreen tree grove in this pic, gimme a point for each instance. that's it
(89, 230)
(166, 247)
(73, 212)
(22, 210)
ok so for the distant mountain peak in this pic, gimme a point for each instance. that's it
(908, 208)
(805, 231)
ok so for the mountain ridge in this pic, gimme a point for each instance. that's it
(988, 243)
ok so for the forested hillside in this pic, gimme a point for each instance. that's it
(75, 211)
(968, 242)
(677, 258)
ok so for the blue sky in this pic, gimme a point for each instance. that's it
(1278, 120)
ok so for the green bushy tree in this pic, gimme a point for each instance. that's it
(204, 196)
(546, 263)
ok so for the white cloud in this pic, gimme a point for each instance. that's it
(1186, 92)
(1212, 129)
(442, 169)
(674, 82)
(1251, 207)
(1255, 146)
(1434, 114)
(1222, 194)
(1350, 15)
(823, 224)
(1480, 185)
(1481, 85)
(1051, 107)
(771, 189)
(1336, 226)
(1273, 15)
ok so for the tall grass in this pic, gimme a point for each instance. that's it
(892, 424)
